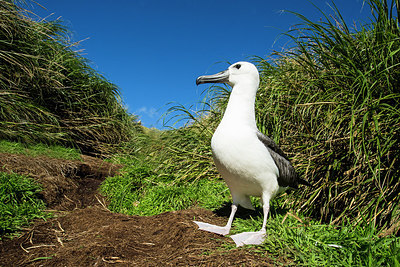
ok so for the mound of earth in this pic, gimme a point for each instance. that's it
(67, 184)
(85, 233)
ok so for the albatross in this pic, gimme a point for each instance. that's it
(251, 163)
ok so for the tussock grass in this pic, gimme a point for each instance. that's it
(332, 102)
(49, 93)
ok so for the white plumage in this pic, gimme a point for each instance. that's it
(250, 163)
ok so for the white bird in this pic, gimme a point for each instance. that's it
(250, 163)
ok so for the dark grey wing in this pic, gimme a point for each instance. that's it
(287, 174)
(269, 143)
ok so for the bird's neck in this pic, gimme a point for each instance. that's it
(240, 110)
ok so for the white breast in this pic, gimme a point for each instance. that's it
(244, 162)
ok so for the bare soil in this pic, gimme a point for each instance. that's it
(84, 232)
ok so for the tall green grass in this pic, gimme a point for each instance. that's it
(333, 103)
(49, 93)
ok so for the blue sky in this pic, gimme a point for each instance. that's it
(154, 50)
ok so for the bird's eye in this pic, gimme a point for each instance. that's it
(237, 66)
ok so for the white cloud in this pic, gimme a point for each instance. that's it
(150, 112)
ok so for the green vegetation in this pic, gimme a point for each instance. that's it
(331, 102)
(20, 199)
(19, 202)
(309, 243)
(49, 93)
(141, 192)
(166, 173)
(151, 183)
(58, 152)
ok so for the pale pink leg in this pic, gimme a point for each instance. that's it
(253, 238)
(219, 229)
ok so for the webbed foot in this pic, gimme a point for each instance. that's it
(213, 228)
(249, 238)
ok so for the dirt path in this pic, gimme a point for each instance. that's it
(85, 233)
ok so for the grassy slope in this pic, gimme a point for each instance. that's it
(49, 93)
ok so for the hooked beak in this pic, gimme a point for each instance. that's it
(220, 77)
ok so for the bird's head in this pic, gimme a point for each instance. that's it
(238, 73)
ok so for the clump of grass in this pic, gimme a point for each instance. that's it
(332, 102)
(49, 93)
(20, 203)
(39, 150)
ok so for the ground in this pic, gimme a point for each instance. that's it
(84, 232)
